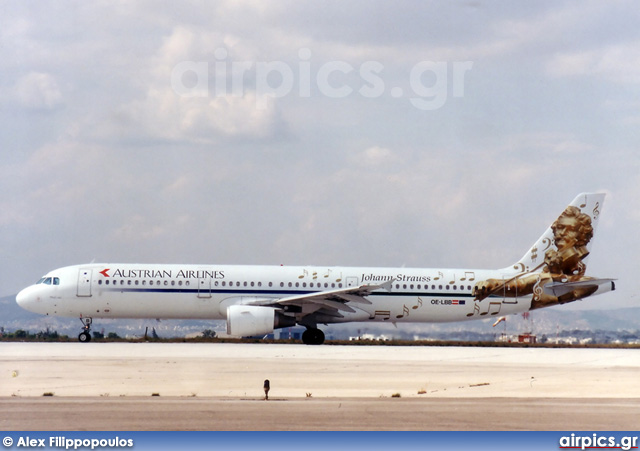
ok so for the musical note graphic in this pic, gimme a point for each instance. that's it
(405, 311)
(596, 210)
(471, 276)
(534, 253)
(585, 202)
(304, 274)
(547, 242)
(494, 308)
(454, 279)
(418, 305)
(476, 309)
(438, 277)
(315, 275)
(537, 289)
(328, 273)
(385, 314)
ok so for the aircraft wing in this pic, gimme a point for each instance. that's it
(333, 301)
(560, 288)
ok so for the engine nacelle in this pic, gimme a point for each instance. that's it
(249, 320)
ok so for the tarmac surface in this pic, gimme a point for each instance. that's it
(160, 386)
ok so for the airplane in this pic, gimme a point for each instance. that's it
(256, 300)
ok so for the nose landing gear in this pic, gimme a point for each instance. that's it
(85, 335)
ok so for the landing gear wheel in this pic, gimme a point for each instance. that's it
(85, 335)
(313, 336)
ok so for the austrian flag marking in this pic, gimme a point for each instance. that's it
(104, 272)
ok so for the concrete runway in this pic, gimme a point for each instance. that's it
(362, 414)
(112, 386)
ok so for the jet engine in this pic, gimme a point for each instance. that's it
(249, 320)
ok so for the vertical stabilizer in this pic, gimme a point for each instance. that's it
(566, 244)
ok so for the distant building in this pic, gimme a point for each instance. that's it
(527, 337)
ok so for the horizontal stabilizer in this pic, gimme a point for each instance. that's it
(560, 288)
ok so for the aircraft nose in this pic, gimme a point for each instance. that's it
(25, 298)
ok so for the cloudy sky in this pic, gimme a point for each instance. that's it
(365, 133)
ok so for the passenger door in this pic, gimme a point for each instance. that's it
(84, 282)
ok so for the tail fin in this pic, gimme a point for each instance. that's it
(564, 247)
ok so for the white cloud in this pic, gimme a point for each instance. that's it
(617, 63)
(375, 156)
(545, 143)
(165, 115)
(39, 91)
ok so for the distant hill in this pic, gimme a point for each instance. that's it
(13, 317)
(546, 321)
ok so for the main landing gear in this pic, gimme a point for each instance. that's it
(85, 335)
(313, 336)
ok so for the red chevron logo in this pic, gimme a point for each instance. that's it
(104, 272)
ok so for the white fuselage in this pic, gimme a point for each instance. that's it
(205, 291)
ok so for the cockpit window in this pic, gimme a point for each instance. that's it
(49, 281)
